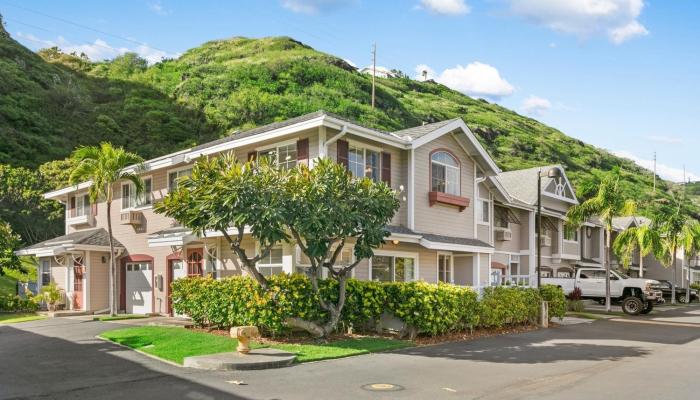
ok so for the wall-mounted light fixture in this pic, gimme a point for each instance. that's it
(395, 241)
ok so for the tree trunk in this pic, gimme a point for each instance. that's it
(641, 264)
(608, 261)
(112, 266)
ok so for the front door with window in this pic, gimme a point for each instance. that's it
(176, 271)
(78, 275)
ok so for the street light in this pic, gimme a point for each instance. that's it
(552, 173)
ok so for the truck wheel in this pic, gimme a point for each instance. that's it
(601, 301)
(648, 308)
(682, 299)
(632, 305)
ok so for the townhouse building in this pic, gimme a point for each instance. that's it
(461, 219)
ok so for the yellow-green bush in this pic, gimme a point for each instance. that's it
(14, 303)
(426, 308)
(556, 298)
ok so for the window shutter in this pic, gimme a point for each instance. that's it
(252, 155)
(72, 206)
(303, 151)
(386, 168)
(94, 209)
(342, 157)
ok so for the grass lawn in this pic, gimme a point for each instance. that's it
(119, 317)
(11, 318)
(174, 344)
(8, 285)
(586, 315)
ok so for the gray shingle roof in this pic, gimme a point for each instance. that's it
(418, 131)
(171, 230)
(91, 237)
(522, 184)
(623, 223)
(281, 124)
(438, 238)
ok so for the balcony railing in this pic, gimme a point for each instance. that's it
(85, 219)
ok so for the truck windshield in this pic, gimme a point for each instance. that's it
(622, 274)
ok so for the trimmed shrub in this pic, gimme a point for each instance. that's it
(426, 308)
(504, 306)
(554, 295)
(433, 309)
(575, 305)
(14, 303)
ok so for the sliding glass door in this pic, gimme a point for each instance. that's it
(393, 268)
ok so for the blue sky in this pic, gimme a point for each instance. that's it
(623, 75)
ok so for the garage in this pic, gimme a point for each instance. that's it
(139, 288)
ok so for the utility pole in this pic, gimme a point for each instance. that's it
(374, 69)
(654, 172)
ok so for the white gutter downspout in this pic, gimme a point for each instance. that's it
(343, 131)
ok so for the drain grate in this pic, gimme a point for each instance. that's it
(382, 387)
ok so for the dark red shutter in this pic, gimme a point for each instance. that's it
(72, 206)
(94, 209)
(252, 155)
(303, 151)
(386, 168)
(342, 156)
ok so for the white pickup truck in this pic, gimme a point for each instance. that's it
(635, 295)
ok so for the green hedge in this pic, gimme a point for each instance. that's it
(14, 303)
(556, 298)
(428, 308)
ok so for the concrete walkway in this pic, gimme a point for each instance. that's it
(649, 357)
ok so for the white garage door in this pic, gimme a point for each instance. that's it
(139, 288)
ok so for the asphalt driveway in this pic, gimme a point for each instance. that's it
(645, 358)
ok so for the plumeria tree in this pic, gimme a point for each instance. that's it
(104, 166)
(328, 211)
(322, 209)
(607, 203)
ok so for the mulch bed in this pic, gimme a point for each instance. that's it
(419, 341)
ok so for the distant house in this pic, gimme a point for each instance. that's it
(381, 72)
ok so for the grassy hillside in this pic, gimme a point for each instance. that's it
(51, 102)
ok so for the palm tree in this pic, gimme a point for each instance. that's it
(645, 237)
(105, 165)
(691, 246)
(607, 203)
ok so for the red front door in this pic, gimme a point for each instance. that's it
(78, 274)
(195, 262)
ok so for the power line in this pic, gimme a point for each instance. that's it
(84, 26)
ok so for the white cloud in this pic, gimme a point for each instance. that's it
(665, 139)
(312, 6)
(663, 170)
(476, 79)
(534, 105)
(617, 19)
(445, 7)
(624, 33)
(99, 49)
(157, 7)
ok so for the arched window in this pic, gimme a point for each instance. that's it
(444, 171)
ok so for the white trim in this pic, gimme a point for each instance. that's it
(479, 221)
(366, 133)
(86, 281)
(411, 189)
(322, 148)
(170, 171)
(132, 187)
(403, 237)
(276, 145)
(363, 145)
(67, 190)
(454, 247)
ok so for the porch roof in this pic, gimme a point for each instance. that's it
(91, 239)
(439, 242)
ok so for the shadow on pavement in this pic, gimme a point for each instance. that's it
(49, 367)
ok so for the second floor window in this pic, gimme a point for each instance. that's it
(80, 206)
(444, 171)
(131, 200)
(173, 176)
(484, 212)
(570, 234)
(364, 163)
(284, 156)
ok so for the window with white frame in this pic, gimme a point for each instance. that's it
(210, 261)
(444, 173)
(570, 233)
(364, 162)
(45, 272)
(303, 263)
(283, 155)
(393, 269)
(132, 200)
(82, 205)
(445, 268)
(134, 267)
(484, 211)
(271, 264)
(173, 177)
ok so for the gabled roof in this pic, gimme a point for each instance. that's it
(422, 130)
(91, 237)
(522, 184)
(441, 242)
(622, 223)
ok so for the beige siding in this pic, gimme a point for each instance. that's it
(571, 249)
(442, 219)
(485, 270)
(58, 273)
(483, 233)
(98, 273)
(464, 270)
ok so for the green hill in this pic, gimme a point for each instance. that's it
(50, 102)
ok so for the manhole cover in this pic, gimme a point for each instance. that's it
(382, 387)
